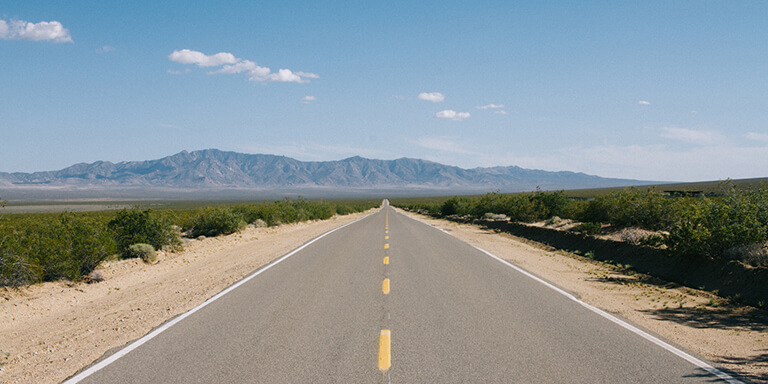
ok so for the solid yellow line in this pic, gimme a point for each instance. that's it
(385, 286)
(386, 260)
(386, 246)
(385, 351)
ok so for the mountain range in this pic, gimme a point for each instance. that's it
(215, 169)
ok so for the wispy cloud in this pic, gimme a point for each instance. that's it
(230, 64)
(42, 31)
(757, 136)
(453, 115)
(500, 112)
(491, 106)
(175, 72)
(443, 144)
(105, 49)
(434, 97)
(692, 136)
(308, 99)
(643, 102)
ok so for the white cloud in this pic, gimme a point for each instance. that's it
(308, 99)
(308, 75)
(692, 136)
(643, 102)
(491, 106)
(434, 97)
(234, 65)
(42, 31)
(453, 115)
(106, 49)
(757, 136)
(187, 56)
(502, 112)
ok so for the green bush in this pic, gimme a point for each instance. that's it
(134, 226)
(589, 228)
(67, 247)
(712, 226)
(216, 221)
(633, 207)
(145, 252)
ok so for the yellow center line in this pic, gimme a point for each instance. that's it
(386, 246)
(385, 286)
(385, 351)
(386, 260)
(386, 237)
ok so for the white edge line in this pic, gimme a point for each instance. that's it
(111, 359)
(691, 359)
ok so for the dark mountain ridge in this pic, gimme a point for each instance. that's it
(212, 168)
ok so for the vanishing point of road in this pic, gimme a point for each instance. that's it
(388, 299)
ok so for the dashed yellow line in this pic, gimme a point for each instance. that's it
(386, 246)
(385, 351)
(385, 286)
(386, 237)
(386, 260)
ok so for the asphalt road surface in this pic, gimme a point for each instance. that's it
(388, 299)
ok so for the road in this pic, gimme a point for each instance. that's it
(389, 299)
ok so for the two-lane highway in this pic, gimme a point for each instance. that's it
(390, 299)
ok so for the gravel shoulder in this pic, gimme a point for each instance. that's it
(50, 331)
(731, 337)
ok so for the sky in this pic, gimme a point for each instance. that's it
(649, 90)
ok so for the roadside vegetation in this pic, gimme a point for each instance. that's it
(69, 246)
(732, 224)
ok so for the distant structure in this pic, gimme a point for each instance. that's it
(685, 193)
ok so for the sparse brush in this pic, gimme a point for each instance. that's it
(589, 228)
(145, 252)
(495, 216)
(755, 255)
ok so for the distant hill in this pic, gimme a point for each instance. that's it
(215, 169)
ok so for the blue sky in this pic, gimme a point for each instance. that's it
(653, 90)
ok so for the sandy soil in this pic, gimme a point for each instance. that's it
(734, 338)
(49, 331)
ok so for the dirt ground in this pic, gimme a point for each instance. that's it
(731, 337)
(49, 331)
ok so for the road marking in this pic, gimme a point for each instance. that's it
(385, 351)
(111, 359)
(386, 260)
(676, 351)
(386, 246)
(385, 286)
(386, 237)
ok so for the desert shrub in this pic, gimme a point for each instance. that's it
(495, 216)
(711, 226)
(455, 206)
(134, 226)
(67, 247)
(145, 252)
(589, 228)
(551, 204)
(15, 268)
(632, 207)
(216, 221)
(755, 255)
